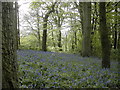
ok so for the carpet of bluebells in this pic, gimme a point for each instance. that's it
(38, 69)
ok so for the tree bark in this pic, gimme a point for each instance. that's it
(105, 42)
(9, 55)
(118, 53)
(16, 22)
(53, 39)
(38, 29)
(0, 45)
(44, 39)
(86, 42)
(18, 28)
(66, 42)
(59, 41)
(118, 44)
(75, 36)
(115, 33)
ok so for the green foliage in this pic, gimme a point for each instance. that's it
(69, 14)
(96, 45)
(114, 54)
(36, 4)
(29, 42)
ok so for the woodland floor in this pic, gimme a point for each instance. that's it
(38, 69)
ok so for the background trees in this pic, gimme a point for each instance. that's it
(74, 28)
(60, 27)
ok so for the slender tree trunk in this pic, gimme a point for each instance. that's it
(9, 55)
(75, 35)
(44, 42)
(105, 42)
(115, 33)
(59, 41)
(39, 41)
(66, 42)
(59, 34)
(16, 19)
(72, 42)
(115, 39)
(118, 44)
(18, 29)
(53, 38)
(86, 42)
(15, 23)
(38, 30)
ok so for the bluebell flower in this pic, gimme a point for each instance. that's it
(39, 74)
(43, 60)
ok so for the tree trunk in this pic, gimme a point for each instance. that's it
(75, 35)
(0, 45)
(59, 35)
(115, 33)
(45, 19)
(53, 39)
(118, 59)
(18, 28)
(66, 42)
(86, 42)
(118, 44)
(16, 19)
(104, 36)
(15, 22)
(59, 41)
(38, 29)
(115, 39)
(44, 38)
(9, 55)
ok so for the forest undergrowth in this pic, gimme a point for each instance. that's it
(38, 69)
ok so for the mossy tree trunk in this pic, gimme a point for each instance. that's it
(86, 42)
(9, 55)
(105, 42)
